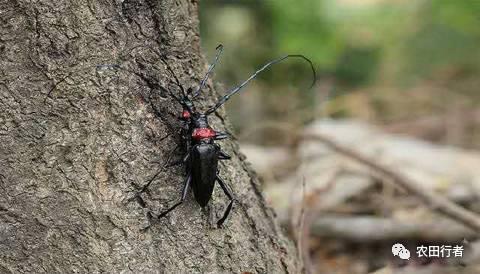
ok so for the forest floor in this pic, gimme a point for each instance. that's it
(347, 192)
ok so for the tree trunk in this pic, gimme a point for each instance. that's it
(81, 174)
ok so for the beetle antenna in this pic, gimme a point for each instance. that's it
(219, 50)
(233, 91)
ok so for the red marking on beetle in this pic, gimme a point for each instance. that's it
(203, 133)
(186, 114)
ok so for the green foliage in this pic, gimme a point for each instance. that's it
(302, 26)
(357, 66)
(427, 48)
(462, 16)
(448, 37)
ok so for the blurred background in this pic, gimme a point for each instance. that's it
(398, 82)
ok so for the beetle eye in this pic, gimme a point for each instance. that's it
(186, 114)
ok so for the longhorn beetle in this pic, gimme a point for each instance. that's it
(202, 153)
(198, 138)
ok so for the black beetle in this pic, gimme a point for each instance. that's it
(202, 153)
(198, 138)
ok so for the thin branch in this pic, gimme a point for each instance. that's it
(359, 229)
(308, 211)
(302, 236)
(434, 201)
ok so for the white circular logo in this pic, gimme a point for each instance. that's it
(400, 251)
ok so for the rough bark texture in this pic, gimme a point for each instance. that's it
(74, 166)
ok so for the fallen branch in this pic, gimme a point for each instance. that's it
(359, 229)
(430, 127)
(434, 201)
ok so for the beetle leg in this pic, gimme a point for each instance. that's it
(224, 156)
(145, 187)
(184, 195)
(230, 196)
(221, 135)
(168, 164)
(184, 159)
(176, 163)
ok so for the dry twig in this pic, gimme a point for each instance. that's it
(359, 229)
(434, 201)
(307, 218)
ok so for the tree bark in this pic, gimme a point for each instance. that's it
(81, 174)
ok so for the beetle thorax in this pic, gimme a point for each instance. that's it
(201, 130)
(200, 121)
